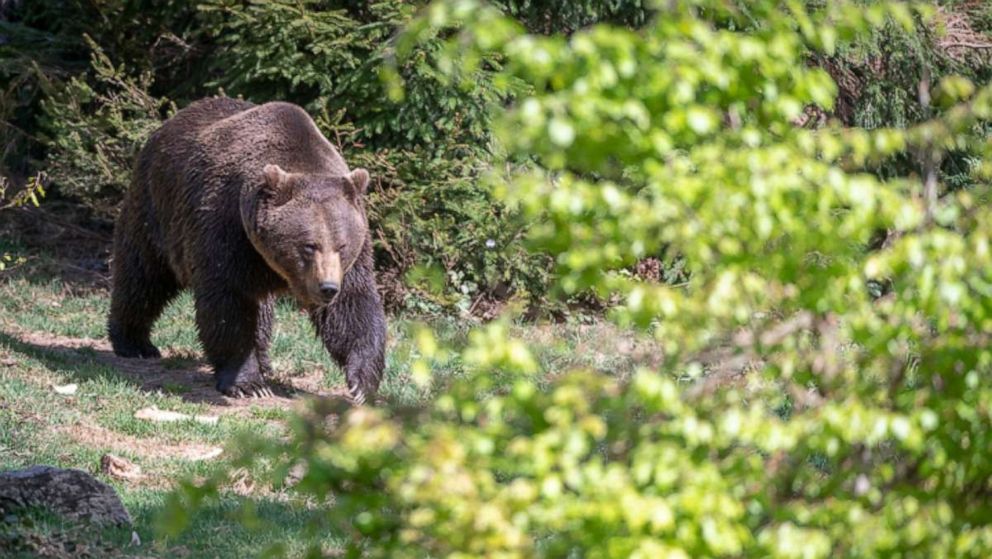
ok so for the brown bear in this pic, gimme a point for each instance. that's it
(239, 203)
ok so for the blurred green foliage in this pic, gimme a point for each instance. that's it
(796, 413)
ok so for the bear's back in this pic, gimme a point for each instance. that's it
(212, 152)
(172, 161)
(193, 172)
(274, 133)
(223, 143)
(191, 120)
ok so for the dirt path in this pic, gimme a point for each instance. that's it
(153, 459)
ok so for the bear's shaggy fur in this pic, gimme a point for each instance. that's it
(238, 203)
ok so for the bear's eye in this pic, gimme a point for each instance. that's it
(309, 249)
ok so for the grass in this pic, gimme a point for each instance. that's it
(52, 334)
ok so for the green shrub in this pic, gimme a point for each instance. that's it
(793, 414)
(879, 76)
(551, 17)
(428, 148)
(32, 192)
(427, 145)
(46, 43)
(94, 131)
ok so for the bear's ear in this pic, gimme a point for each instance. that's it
(276, 187)
(360, 179)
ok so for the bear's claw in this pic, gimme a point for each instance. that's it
(251, 390)
(244, 381)
(356, 395)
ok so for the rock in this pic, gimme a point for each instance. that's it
(120, 468)
(71, 494)
(295, 473)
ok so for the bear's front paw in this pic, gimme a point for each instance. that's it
(243, 382)
(131, 350)
(251, 390)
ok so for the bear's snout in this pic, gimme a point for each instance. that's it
(329, 289)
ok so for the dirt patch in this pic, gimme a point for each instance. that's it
(175, 373)
(100, 438)
(601, 342)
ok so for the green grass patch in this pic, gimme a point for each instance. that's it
(44, 328)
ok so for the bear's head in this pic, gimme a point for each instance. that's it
(309, 228)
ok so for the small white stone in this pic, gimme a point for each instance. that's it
(66, 389)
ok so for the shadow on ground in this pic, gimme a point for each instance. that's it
(75, 246)
(85, 359)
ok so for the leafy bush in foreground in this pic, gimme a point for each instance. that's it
(795, 414)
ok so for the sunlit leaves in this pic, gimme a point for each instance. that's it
(682, 139)
(824, 388)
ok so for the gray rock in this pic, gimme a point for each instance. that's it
(71, 494)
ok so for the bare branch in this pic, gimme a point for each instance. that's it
(929, 154)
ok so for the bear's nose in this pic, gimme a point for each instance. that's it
(328, 289)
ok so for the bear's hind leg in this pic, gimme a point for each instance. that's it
(142, 287)
(230, 326)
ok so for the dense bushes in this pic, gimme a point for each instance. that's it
(88, 84)
(93, 130)
(33, 190)
(794, 413)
